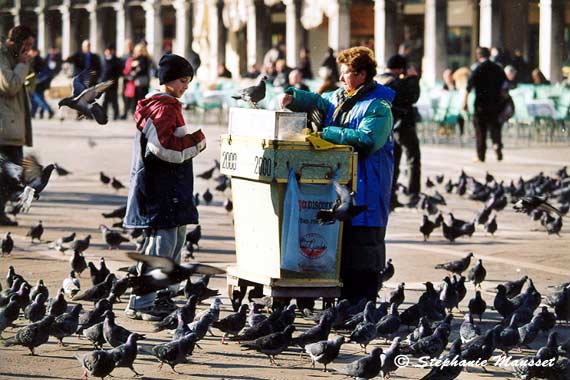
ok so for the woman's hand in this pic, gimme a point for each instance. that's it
(285, 100)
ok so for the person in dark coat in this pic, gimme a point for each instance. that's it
(161, 197)
(43, 80)
(405, 83)
(304, 65)
(359, 115)
(86, 60)
(112, 70)
(489, 82)
(330, 63)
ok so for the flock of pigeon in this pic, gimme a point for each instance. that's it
(531, 197)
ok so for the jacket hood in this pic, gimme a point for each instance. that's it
(148, 107)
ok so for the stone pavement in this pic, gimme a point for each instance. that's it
(75, 203)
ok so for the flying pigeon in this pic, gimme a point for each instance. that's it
(253, 94)
(83, 99)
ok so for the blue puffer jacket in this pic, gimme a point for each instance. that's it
(368, 128)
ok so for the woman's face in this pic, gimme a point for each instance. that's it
(351, 79)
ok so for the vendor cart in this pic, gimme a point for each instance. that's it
(257, 153)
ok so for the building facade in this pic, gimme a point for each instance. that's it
(442, 33)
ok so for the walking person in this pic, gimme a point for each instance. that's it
(42, 83)
(15, 119)
(405, 82)
(489, 82)
(359, 115)
(161, 197)
(140, 71)
(112, 70)
(86, 60)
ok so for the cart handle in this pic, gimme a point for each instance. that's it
(328, 175)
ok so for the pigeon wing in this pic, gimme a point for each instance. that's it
(90, 94)
(32, 168)
(79, 82)
(158, 262)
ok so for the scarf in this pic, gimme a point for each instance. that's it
(345, 101)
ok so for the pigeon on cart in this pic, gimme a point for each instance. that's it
(253, 94)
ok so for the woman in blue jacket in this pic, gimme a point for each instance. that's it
(359, 115)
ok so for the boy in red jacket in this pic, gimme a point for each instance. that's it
(162, 180)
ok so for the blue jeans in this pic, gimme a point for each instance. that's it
(166, 243)
(38, 100)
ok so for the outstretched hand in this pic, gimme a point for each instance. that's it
(285, 100)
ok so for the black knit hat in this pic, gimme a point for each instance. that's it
(397, 61)
(172, 67)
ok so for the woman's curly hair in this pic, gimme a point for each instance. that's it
(357, 59)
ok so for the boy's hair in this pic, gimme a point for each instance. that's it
(172, 67)
(20, 33)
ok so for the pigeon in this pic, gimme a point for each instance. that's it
(457, 266)
(549, 351)
(477, 305)
(71, 285)
(491, 225)
(262, 328)
(477, 274)
(233, 323)
(105, 180)
(387, 272)
(114, 334)
(421, 331)
(228, 205)
(344, 208)
(468, 330)
(314, 334)
(325, 351)
(272, 344)
(448, 295)
(96, 292)
(94, 316)
(65, 324)
(398, 296)
(200, 289)
(365, 331)
(439, 178)
(77, 262)
(253, 94)
(193, 237)
(7, 244)
(80, 245)
(389, 361)
(207, 196)
(58, 305)
(502, 304)
(207, 174)
(554, 227)
(116, 184)
(528, 204)
(201, 327)
(161, 272)
(175, 352)
(36, 231)
(447, 372)
(431, 346)
(9, 314)
(507, 338)
(83, 99)
(36, 310)
(426, 227)
(388, 324)
(125, 354)
(113, 238)
(546, 320)
(429, 183)
(513, 288)
(98, 363)
(59, 244)
(33, 335)
(367, 367)
(171, 320)
(117, 213)
(120, 287)
(98, 275)
(40, 288)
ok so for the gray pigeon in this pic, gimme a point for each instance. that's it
(389, 324)
(65, 324)
(113, 238)
(8, 314)
(125, 354)
(37, 309)
(33, 335)
(182, 328)
(456, 266)
(95, 293)
(200, 328)
(477, 305)
(83, 99)
(344, 208)
(314, 334)
(448, 372)
(94, 316)
(39, 288)
(365, 331)
(477, 274)
(431, 346)
(173, 353)
(233, 323)
(325, 351)
(7, 244)
(272, 344)
(97, 363)
(364, 368)
(95, 334)
(80, 245)
(468, 330)
(58, 305)
(513, 288)
(253, 94)
(114, 334)
(171, 320)
(77, 262)
(389, 363)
